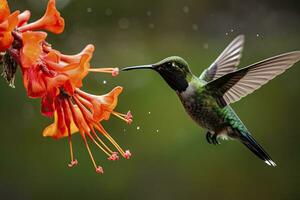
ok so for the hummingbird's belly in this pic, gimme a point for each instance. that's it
(204, 114)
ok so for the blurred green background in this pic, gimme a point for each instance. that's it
(171, 158)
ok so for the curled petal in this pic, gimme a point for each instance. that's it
(75, 66)
(24, 17)
(51, 21)
(75, 71)
(88, 50)
(78, 71)
(110, 100)
(32, 48)
(102, 106)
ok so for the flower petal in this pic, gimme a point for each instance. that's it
(110, 101)
(24, 17)
(78, 71)
(102, 106)
(32, 48)
(6, 27)
(89, 50)
(51, 21)
(52, 56)
(54, 131)
(33, 80)
(4, 10)
(47, 108)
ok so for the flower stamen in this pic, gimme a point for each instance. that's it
(67, 114)
(125, 117)
(97, 144)
(99, 139)
(98, 169)
(112, 71)
(127, 154)
(116, 145)
(73, 162)
(112, 155)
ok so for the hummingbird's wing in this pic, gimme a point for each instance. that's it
(226, 62)
(235, 85)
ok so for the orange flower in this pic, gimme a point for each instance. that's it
(102, 106)
(51, 21)
(75, 113)
(56, 78)
(76, 66)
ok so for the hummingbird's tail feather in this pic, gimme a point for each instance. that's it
(253, 146)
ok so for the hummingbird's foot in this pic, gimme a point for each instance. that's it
(215, 139)
(209, 137)
(212, 138)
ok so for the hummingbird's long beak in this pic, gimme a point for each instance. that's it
(138, 67)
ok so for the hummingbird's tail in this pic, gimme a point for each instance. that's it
(252, 144)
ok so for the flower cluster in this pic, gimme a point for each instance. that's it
(56, 79)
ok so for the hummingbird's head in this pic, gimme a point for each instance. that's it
(174, 70)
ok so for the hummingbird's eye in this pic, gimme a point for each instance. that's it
(169, 64)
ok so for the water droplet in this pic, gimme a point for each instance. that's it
(137, 128)
(195, 27)
(257, 35)
(108, 12)
(149, 112)
(186, 9)
(205, 46)
(151, 26)
(148, 13)
(124, 23)
(157, 131)
(89, 10)
(104, 82)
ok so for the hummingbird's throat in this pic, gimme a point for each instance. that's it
(176, 81)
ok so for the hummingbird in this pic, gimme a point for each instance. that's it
(207, 98)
